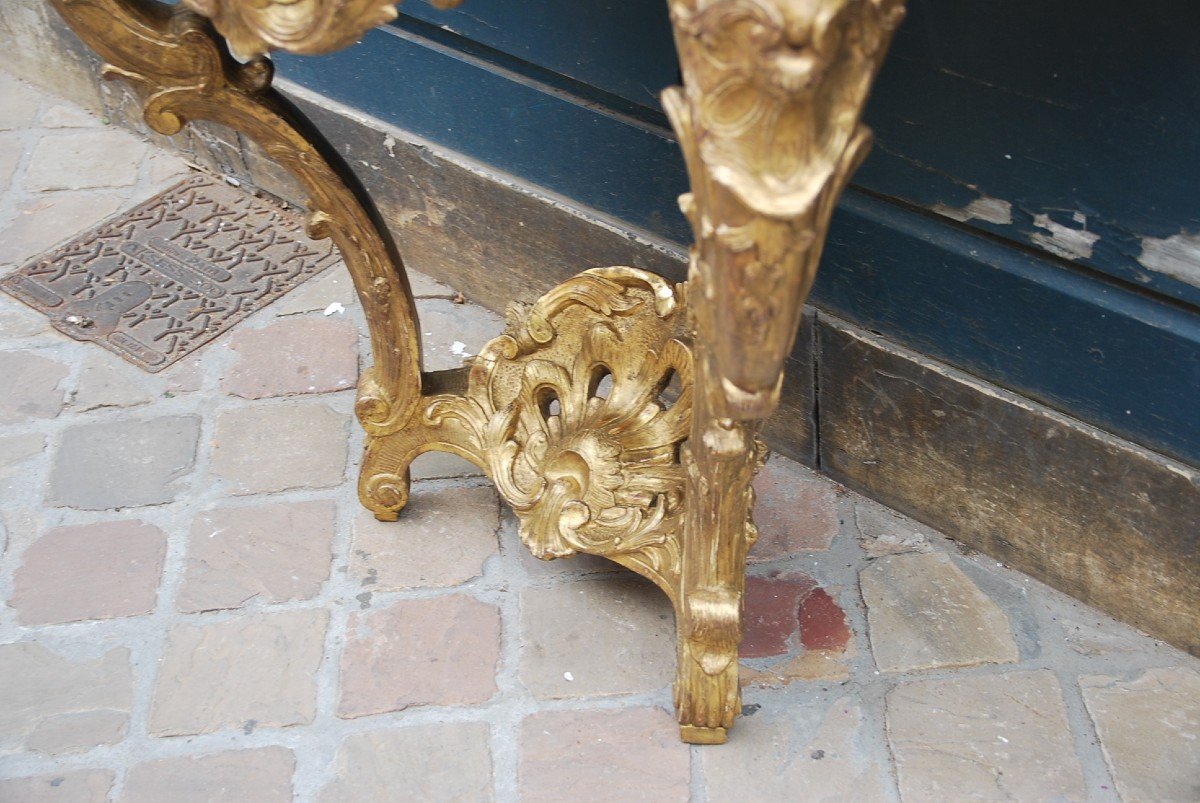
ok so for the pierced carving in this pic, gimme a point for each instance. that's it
(566, 413)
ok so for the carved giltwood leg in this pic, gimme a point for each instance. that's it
(768, 119)
(182, 71)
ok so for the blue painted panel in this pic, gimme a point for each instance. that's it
(564, 142)
(619, 46)
(1085, 111)
(1104, 351)
(1082, 115)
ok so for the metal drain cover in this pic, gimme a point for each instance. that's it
(157, 282)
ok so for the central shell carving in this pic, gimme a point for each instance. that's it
(577, 413)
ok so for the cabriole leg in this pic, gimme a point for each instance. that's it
(769, 122)
(182, 70)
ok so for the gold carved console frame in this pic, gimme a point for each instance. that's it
(573, 412)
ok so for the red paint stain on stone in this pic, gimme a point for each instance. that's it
(783, 610)
(823, 624)
(772, 613)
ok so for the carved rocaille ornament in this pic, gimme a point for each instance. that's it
(308, 27)
(618, 415)
(571, 413)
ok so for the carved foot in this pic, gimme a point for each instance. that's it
(707, 694)
(383, 482)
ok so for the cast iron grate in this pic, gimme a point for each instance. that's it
(158, 282)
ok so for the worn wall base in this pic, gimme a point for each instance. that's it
(1102, 519)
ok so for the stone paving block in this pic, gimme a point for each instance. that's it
(786, 754)
(437, 651)
(124, 463)
(164, 168)
(924, 612)
(90, 571)
(278, 447)
(426, 762)
(796, 511)
(608, 755)
(331, 286)
(452, 332)
(21, 103)
(185, 376)
(424, 286)
(72, 786)
(273, 553)
(32, 386)
(789, 616)
(995, 737)
(1149, 729)
(66, 115)
(255, 776)
(772, 615)
(442, 538)
(16, 449)
(11, 151)
(257, 670)
(596, 637)
(79, 732)
(886, 532)
(108, 381)
(19, 321)
(112, 157)
(57, 705)
(293, 356)
(48, 220)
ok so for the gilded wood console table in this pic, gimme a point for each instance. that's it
(769, 121)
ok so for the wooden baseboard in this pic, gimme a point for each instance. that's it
(1097, 517)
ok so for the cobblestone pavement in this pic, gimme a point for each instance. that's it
(196, 608)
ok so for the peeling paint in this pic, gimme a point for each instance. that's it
(1063, 240)
(1177, 256)
(991, 210)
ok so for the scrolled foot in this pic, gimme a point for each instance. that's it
(383, 484)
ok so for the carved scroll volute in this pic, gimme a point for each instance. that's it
(309, 27)
(769, 121)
